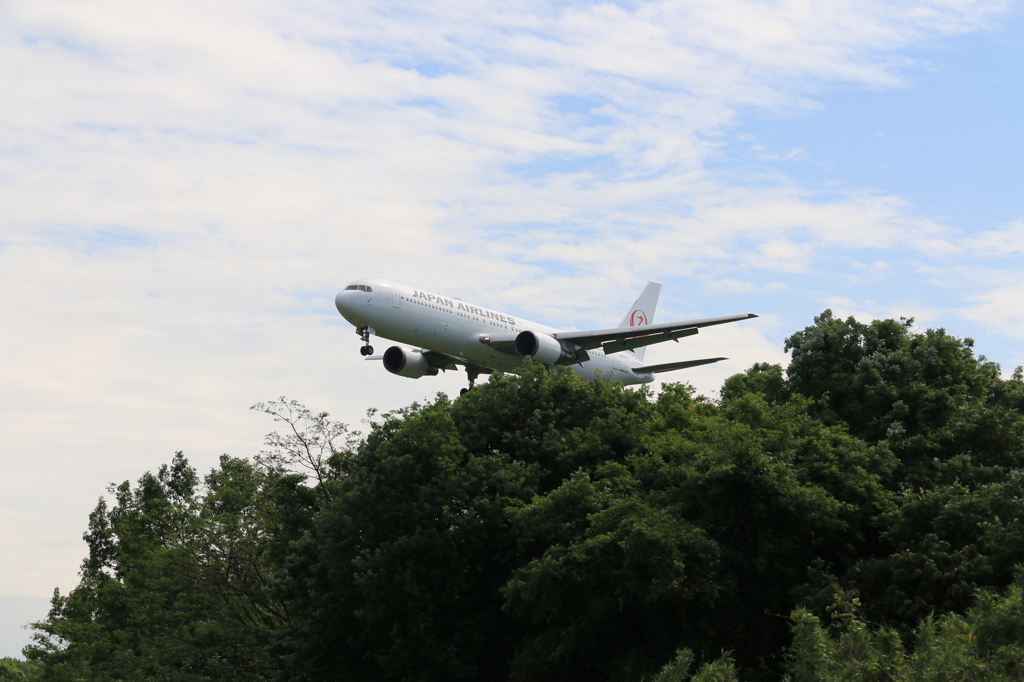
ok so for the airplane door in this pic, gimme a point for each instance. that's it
(396, 298)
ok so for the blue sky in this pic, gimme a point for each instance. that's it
(184, 187)
(948, 140)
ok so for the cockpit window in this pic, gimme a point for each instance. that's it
(351, 287)
(368, 290)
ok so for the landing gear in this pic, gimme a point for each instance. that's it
(364, 334)
(472, 372)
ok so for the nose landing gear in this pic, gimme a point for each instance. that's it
(364, 334)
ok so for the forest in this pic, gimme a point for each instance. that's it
(858, 515)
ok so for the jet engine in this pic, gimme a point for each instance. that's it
(407, 363)
(543, 348)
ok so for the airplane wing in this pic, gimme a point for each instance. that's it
(442, 361)
(627, 338)
(669, 366)
(503, 343)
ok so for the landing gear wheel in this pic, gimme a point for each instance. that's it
(464, 391)
(364, 334)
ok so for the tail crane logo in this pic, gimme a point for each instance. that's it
(638, 319)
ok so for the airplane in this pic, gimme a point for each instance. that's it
(443, 332)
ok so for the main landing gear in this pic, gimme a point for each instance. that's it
(364, 334)
(472, 372)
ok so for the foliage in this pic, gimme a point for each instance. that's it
(172, 586)
(957, 431)
(943, 412)
(310, 444)
(696, 540)
(849, 510)
(722, 669)
(985, 644)
(14, 670)
(402, 576)
(547, 528)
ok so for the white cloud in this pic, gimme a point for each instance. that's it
(1002, 308)
(1008, 240)
(868, 310)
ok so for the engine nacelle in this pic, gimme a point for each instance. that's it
(407, 363)
(541, 347)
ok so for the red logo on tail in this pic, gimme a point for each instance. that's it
(638, 319)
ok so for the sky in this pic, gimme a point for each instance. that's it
(184, 186)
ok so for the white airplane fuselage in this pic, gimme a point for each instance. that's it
(426, 320)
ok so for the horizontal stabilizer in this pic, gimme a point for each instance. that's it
(669, 366)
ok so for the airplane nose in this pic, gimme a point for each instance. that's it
(342, 302)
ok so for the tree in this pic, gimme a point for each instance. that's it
(173, 587)
(985, 644)
(403, 574)
(956, 430)
(312, 445)
(546, 528)
(925, 395)
(543, 527)
(697, 538)
(13, 670)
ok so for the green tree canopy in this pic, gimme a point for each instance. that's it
(173, 585)
(547, 528)
(946, 413)
(848, 510)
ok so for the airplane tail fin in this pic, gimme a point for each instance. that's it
(642, 312)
